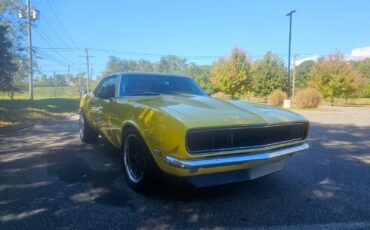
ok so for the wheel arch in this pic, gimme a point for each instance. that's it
(130, 125)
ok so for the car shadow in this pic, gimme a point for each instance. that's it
(66, 176)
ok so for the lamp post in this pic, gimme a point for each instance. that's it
(290, 14)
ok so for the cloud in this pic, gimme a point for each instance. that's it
(309, 58)
(360, 53)
(356, 54)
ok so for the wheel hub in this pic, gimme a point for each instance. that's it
(133, 159)
(82, 127)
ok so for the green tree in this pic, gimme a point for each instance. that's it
(60, 80)
(302, 74)
(14, 30)
(80, 81)
(22, 70)
(167, 64)
(8, 66)
(232, 74)
(9, 18)
(363, 67)
(172, 64)
(115, 64)
(353, 83)
(145, 65)
(270, 74)
(335, 77)
(202, 75)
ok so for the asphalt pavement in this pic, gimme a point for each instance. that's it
(49, 179)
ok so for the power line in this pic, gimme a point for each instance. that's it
(58, 65)
(124, 52)
(47, 40)
(130, 52)
(54, 32)
(54, 59)
(44, 36)
(61, 25)
(70, 49)
(59, 71)
(152, 54)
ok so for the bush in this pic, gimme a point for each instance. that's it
(276, 98)
(307, 98)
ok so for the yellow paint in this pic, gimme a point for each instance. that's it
(164, 120)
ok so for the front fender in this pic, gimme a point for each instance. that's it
(161, 132)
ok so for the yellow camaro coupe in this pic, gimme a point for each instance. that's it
(167, 123)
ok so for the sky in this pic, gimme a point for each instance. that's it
(199, 30)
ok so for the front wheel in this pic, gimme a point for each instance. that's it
(137, 163)
(87, 133)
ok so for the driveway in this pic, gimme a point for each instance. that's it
(49, 179)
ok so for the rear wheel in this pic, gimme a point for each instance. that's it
(87, 133)
(137, 162)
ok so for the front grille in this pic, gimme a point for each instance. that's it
(232, 138)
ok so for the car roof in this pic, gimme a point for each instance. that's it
(149, 74)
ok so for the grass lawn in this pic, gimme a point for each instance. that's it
(28, 112)
(47, 92)
(53, 102)
(350, 102)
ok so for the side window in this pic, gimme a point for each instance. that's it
(106, 88)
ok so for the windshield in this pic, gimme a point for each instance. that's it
(147, 84)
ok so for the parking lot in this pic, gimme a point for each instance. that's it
(50, 179)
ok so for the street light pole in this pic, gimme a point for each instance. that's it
(290, 14)
(293, 92)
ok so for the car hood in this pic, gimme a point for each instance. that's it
(204, 111)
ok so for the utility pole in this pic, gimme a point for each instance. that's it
(32, 14)
(69, 77)
(87, 67)
(290, 14)
(55, 85)
(79, 85)
(30, 79)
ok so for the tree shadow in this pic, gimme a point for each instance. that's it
(20, 114)
(66, 178)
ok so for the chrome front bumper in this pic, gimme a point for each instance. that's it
(234, 160)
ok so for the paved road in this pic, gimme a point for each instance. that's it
(49, 179)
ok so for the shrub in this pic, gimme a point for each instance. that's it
(307, 98)
(276, 98)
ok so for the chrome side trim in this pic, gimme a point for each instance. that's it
(233, 160)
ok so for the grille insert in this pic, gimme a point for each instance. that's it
(233, 138)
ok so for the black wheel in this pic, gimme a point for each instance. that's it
(137, 162)
(87, 133)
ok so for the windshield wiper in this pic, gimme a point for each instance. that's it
(145, 94)
(181, 93)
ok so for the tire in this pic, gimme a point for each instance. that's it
(87, 133)
(138, 165)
